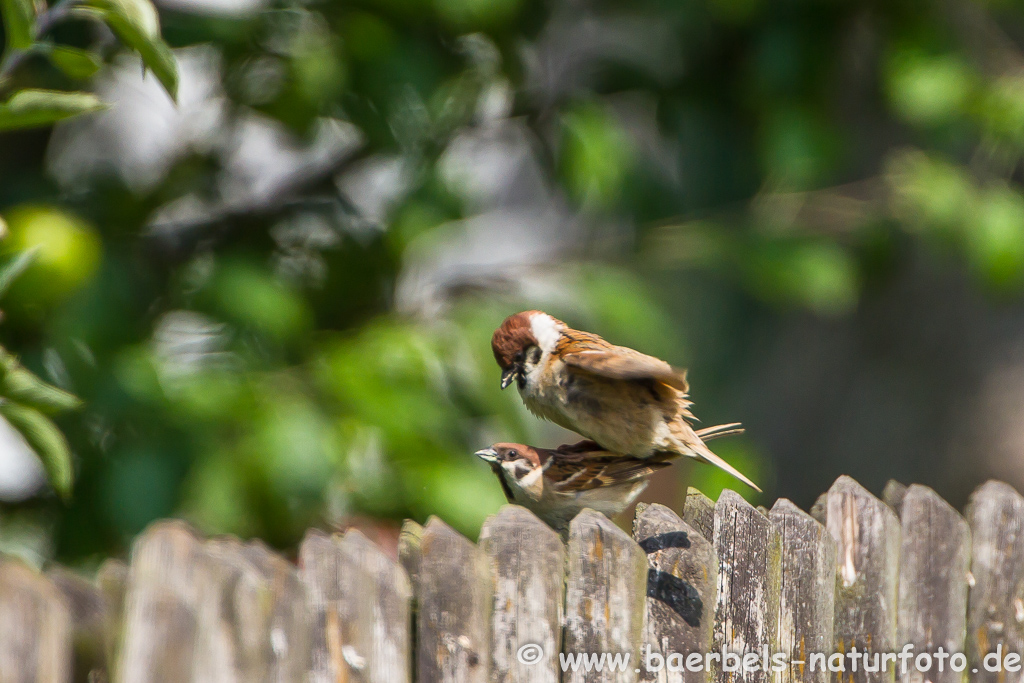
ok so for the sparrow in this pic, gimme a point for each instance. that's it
(557, 484)
(628, 402)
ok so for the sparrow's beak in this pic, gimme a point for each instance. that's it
(488, 454)
(509, 375)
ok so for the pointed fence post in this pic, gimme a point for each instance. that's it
(454, 622)
(995, 611)
(374, 614)
(605, 597)
(699, 513)
(682, 585)
(35, 627)
(169, 578)
(527, 562)
(935, 559)
(807, 608)
(867, 536)
(320, 571)
(749, 583)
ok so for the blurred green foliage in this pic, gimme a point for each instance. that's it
(259, 384)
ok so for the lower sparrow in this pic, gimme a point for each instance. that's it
(557, 484)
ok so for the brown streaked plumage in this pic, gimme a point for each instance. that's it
(556, 484)
(626, 401)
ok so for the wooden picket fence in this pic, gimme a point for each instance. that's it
(855, 572)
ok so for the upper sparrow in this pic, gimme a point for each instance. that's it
(626, 401)
(556, 484)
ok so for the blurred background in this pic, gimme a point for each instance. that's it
(275, 297)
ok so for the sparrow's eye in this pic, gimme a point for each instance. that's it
(513, 453)
(518, 357)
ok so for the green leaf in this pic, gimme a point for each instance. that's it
(137, 24)
(18, 384)
(15, 266)
(47, 441)
(19, 17)
(31, 108)
(78, 64)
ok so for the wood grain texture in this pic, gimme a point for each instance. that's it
(935, 559)
(807, 607)
(527, 564)
(35, 627)
(455, 598)
(605, 597)
(169, 577)
(867, 536)
(685, 624)
(260, 618)
(375, 614)
(995, 611)
(699, 513)
(749, 583)
(320, 572)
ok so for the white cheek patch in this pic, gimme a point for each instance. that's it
(531, 481)
(545, 331)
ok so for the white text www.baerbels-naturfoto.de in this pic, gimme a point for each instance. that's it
(854, 660)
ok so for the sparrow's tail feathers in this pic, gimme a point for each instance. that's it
(709, 433)
(704, 453)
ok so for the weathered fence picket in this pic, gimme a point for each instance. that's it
(35, 627)
(995, 612)
(934, 561)
(867, 535)
(857, 572)
(320, 571)
(682, 585)
(258, 614)
(699, 513)
(360, 607)
(749, 582)
(455, 598)
(527, 563)
(807, 602)
(374, 614)
(167, 582)
(605, 596)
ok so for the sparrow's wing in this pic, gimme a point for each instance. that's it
(569, 475)
(619, 362)
(585, 446)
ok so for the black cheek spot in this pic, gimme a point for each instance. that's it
(678, 595)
